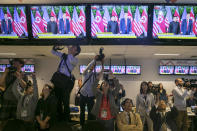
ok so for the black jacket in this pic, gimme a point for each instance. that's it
(169, 119)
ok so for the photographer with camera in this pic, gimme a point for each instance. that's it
(63, 80)
(8, 80)
(27, 102)
(105, 109)
(86, 94)
(180, 94)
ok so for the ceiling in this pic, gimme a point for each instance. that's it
(124, 51)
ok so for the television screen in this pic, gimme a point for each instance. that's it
(28, 68)
(8, 65)
(118, 69)
(133, 70)
(2, 67)
(175, 22)
(98, 68)
(58, 21)
(193, 70)
(13, 22)
(122, 21)
(166, 70)
(82, 68)
(181, 70)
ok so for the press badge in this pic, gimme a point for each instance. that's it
(24, 113)
(104, 113)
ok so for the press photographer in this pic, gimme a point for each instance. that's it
(8, 82)
(86, 94)
(105, 108)
(63, 80)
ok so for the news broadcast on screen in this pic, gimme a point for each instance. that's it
(58, 21)
(13, 22)
(166, 70)
(110, 21)
(181, 70)
(175, 22)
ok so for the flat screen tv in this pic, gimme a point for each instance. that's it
(119, 21)
(133, 70)
(193, 70)
(82, 68)
(2, 67)
(28, 69)
(98, 68)
(13, 22)
(118, 69)
(166, 70)
(181, 70)
(174, 22)
(58, 21)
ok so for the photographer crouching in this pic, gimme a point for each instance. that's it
(7, 81)
(86, 94)
(63, 80)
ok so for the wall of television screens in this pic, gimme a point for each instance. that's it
(28, 68)
(177, 70)
(117, 70)
(95, 21)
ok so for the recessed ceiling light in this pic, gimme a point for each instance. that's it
(7, 53)
(88, 54)
(167, 54)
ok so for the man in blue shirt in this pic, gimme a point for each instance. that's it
(64, 85)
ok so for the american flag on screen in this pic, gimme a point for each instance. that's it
(106, 18)
(45, 18)
(17, 26)
(34, 26)
(155, 25)
(93, 25)
(76, 29)
(137, 25)
(168, 18)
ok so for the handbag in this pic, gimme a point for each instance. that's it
(57, 77)
(60, 78)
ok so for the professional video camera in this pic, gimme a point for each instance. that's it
(189, 83)
(108, 77)
(101, 55)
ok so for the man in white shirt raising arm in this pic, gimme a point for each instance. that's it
(180, 94)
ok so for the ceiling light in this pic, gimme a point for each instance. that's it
(92, 54)
(7, 53)
(167, 54)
